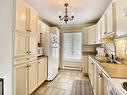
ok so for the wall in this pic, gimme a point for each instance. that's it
(6, 50)
(121, 49)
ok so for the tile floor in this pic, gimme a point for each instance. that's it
(68, 82)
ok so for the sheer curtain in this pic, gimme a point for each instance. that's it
(72, 46)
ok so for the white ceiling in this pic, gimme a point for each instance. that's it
(85, 11)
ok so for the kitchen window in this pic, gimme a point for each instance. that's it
(72, 46)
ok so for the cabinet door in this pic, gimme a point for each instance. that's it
(21, 73)
(92, 34)
(105, 84)
(99, 83)
(21, 15)
(32, 76)
(21, 44)
(33, 44)
(84, 36)
(33, 22)
(110, 18)
(98, 32)
(121, 13)
(85, 64)
(103, 26)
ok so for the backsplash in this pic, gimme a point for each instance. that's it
(121, 49)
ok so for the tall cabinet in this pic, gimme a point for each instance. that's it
(25, 49)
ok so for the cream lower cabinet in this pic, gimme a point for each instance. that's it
(32, 71)
(85, 64)
(98, 78)
(21, 79)
(91, 71)
(29, 75)
(42, 70)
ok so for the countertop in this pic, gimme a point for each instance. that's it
(112, 70)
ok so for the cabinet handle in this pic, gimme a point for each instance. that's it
(27, 58)
(105, 32)
(28, 30)
(100, 75)
(28, 66)
(29, 52)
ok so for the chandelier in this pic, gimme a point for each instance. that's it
(66, 18)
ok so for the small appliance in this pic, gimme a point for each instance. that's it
(40, 51)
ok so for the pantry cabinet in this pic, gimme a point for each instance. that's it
(92, 34)
(121, 15)
(42, 70)
(26, 30)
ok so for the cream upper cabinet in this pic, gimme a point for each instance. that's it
(32, 21)
(21, 44)
(103, 26)
(110, 18)
(42, 70)
(21, 73)
(32, 76)
(121, 15)
(21, 15)
(92, 34)
(98, 32)
(84, 36)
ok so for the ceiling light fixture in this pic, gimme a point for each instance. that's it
(66, 18)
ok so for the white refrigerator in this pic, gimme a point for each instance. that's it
(51, 49)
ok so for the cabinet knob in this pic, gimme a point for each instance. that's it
(100, 74)
(28, 66)
(105, 32)
(28, 30)
(38, 62)
(29, 52)
(27, 58)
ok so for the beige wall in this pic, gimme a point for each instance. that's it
(6, 45)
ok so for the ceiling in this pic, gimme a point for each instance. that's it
(85, 11)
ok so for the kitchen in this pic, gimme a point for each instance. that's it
(41, 55)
